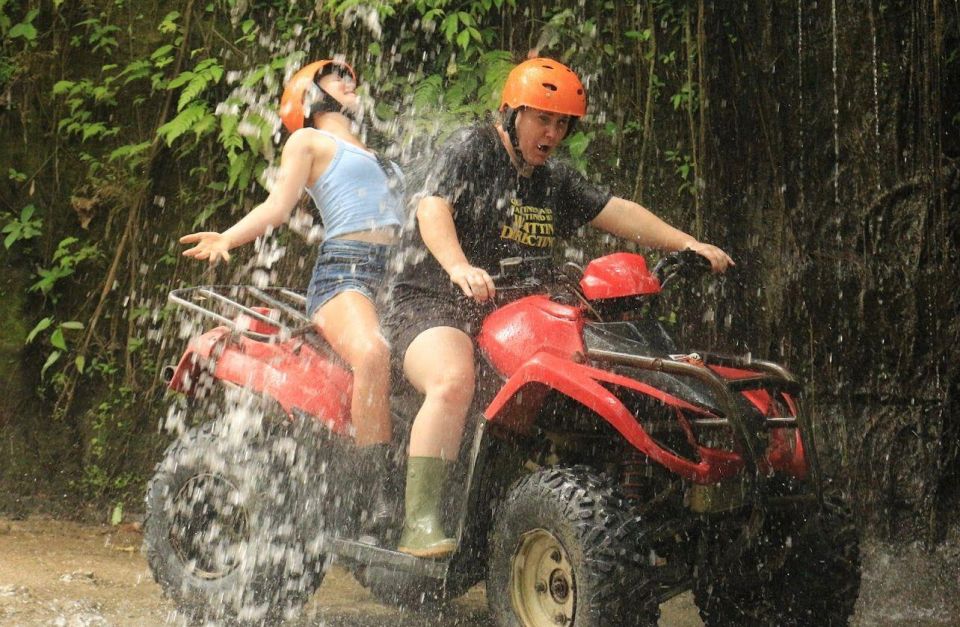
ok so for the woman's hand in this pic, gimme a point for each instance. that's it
(474, 281)
(719, 260)
(209, 245)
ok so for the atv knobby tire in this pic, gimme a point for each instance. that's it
(799, 573)
(562, 551)
(227, 534)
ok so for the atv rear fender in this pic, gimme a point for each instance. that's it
(292, 373)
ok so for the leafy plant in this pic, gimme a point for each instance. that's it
(57, 341)
(22, 227)
(577, 145)
(22, 30)
(65, 258)
(109, 429)
(100, 36)
(82, 120)
(683, 167)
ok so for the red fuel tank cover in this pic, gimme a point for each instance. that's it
(616, 276)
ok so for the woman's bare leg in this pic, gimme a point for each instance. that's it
(350, 323)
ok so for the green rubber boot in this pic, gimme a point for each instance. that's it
(423, 530)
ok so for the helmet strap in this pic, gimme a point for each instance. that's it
(509, 121)
(328, 104)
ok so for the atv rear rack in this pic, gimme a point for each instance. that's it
(237, 306)
(771, 377)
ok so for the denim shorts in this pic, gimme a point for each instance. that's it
(347, 266)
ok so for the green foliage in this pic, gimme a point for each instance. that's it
(4, 18)
(196, 118)
(82, 120)
(100, 37)
(22, 227)
(686, 97)
(57, 340)
(69, 254)
(24, 30)
(683, 168)
(577, 145)
(109, 431)
(206, 74)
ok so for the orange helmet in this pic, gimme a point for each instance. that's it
(544, 84)
(296, 105)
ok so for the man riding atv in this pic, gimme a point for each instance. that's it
(494, 194)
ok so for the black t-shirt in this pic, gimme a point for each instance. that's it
(497, 213)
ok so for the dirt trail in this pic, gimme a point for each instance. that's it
(75, 575)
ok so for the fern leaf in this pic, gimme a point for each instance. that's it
(192, 90)
(184, 121)
(180, 80)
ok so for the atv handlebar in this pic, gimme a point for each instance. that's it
(528, 272)
(531, 275)
(524, 274)
(685, 263)
(515, 270)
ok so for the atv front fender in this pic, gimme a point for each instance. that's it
(582, 383)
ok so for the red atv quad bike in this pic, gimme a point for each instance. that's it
(604, 471)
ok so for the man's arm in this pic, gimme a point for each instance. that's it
(628, 220)
(439, 233)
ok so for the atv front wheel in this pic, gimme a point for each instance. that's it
(800, 573)
(224, 533)
(562, 554)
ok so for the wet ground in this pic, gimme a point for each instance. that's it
(75, 575)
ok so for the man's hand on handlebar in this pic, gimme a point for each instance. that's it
(209, 245)
(474, 281)
(719, 260)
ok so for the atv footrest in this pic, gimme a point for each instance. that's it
(377, 556)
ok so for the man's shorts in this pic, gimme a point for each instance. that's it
(412, 311)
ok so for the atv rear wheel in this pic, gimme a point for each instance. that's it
(226, 534)
(799, 573)
(562, 552)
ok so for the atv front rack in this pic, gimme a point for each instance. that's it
(770, 376)
(242, 308)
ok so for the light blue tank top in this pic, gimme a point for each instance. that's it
(354, 193)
